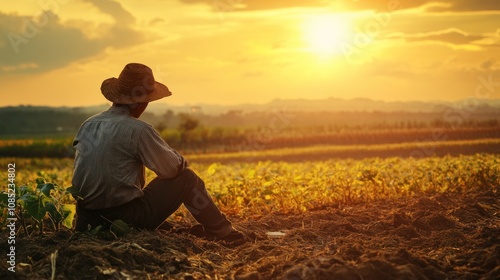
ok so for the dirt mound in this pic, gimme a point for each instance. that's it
(453, 236)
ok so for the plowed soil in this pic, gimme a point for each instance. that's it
(444, 236)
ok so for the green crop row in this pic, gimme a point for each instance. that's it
(247, 189)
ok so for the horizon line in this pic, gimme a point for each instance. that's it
(158, 102)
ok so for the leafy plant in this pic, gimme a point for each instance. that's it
(117, 229)
(44, 202)
(247, 189)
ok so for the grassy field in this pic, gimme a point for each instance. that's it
(249, 188)
(342, 218)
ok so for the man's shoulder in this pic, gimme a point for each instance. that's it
(118, 128)
(137, 123)
(119, 119)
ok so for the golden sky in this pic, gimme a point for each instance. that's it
(57, 52)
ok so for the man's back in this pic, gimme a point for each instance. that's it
(108, 169)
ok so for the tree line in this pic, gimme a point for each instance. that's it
(195, 132)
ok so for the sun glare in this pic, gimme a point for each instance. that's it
(325, 34)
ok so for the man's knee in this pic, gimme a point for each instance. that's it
(186, 176)
(188, 172)
(190, 176)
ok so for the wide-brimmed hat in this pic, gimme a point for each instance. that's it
(136, 84)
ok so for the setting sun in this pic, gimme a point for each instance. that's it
(324, 34)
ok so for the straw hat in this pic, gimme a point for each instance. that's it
(135, 84)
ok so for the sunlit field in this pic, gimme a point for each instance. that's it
(325, 209)
(263, 187)
(405, 199)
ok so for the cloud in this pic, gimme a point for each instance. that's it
(389, 69)
(253, 74)
(429, 5)
(467, 5)
(42, 46)
(156, 21)
(115, 10)
(256, 5)
(259, 5)
(489, 65)
(43, 43)
(453, 36)
(353, 5)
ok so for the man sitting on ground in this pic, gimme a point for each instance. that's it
(112, 150)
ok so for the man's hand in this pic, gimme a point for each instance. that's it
(184, 164)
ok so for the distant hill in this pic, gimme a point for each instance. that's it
(330, 104)
(28, 121)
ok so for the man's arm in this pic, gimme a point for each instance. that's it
(158, 156)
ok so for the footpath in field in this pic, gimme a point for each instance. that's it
(453, 236)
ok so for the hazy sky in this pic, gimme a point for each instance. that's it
(233, 51)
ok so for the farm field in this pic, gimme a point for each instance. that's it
(372, 218)
(343, 140)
